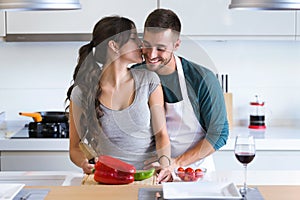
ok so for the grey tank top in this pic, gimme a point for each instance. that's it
(127, 134)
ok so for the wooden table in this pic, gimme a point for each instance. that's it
(130, 192)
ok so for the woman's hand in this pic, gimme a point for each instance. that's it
(164, 173)
(87, 167)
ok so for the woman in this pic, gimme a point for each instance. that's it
(118, 111)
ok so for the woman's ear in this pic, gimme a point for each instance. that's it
(114, 46)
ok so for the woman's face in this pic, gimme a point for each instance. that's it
(131, 51)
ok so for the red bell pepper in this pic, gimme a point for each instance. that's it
(109, 170)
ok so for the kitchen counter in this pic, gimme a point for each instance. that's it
(277, 148)
(68, 178)
(34, 153)
(13, 128)
(273, 185)
(272, 138)
(130, 192)
(35, 144)
(279, 145)
(42, 178)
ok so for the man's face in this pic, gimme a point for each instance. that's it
(158, 48)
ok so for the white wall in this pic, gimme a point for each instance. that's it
(35, 76)
(270, 69)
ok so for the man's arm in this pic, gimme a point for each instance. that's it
(208, 103)
(201, 150)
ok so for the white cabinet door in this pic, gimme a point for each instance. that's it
(37, 161)
(78, 21)
(264, 160)
(213, 18)
(2, 24)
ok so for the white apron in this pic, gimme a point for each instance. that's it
(183, 127)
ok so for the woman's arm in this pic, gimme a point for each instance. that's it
(158, 118)
(76, 155)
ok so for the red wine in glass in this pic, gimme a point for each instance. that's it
(244, 150)
(244, 157)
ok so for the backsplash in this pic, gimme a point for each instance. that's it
(36, 76)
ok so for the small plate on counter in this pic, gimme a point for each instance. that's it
(200, 190)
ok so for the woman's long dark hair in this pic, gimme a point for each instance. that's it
(87, 71)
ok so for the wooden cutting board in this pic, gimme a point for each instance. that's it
(89, 180)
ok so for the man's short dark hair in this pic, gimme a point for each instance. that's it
(163, 19)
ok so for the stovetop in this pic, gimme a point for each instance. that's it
(43, 130)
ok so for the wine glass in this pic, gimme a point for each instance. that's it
(244, 151)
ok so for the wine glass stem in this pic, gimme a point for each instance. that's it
(245, 178)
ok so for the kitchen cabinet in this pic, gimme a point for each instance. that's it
(264, 160)
(274, 150)
(2, 23)
(77, 21)
(28, 154)
(37, 161)
(298, 26)
(212, 18)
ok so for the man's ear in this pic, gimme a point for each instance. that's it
(177, 44)
(114, 46)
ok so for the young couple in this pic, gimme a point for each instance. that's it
(165, 112)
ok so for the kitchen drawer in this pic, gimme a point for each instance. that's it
(37, 161)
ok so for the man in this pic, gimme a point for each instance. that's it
(195, 108)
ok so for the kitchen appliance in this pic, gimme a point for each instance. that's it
(46, 125)
(48, 130)
(257, 115)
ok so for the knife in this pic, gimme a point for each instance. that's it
(88, 151)
(226, 83)
(222, 82)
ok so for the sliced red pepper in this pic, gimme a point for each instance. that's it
(115, 163)
(113, 178)
(110, 170)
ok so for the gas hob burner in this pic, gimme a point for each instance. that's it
(48, 129)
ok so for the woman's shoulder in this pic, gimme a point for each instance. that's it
(76, 91)
(76, 95)
(144, 73)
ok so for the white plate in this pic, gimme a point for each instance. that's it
(9, 191)
(200, 190)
